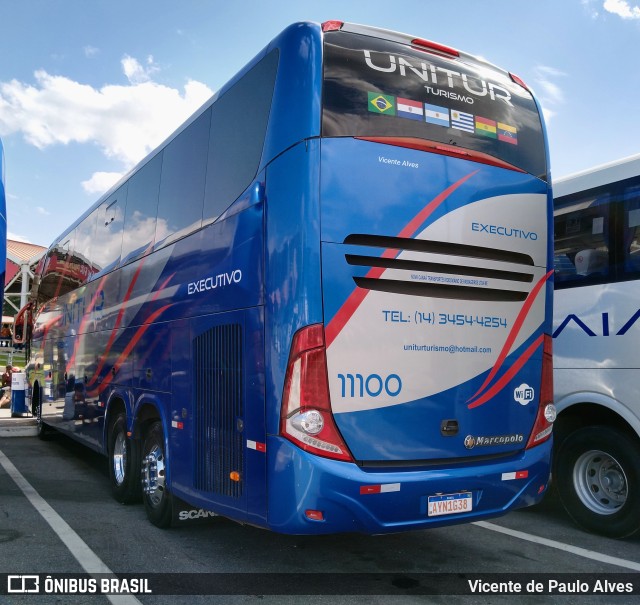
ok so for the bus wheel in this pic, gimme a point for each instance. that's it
(124, 462)
(156, 496)
(42, 430)
(598, 480)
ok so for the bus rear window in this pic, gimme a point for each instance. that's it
(377, 88)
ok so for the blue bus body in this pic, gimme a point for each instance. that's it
(353, 340)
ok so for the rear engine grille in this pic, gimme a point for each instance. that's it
(457, 253)
(219, 410)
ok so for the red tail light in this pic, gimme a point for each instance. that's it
(546, 410)
(332, 26)
(434, 46)
(306, 418)
(519, 81)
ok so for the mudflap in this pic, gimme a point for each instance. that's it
(186, 514)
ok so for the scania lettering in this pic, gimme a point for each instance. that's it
(186, 515)
(596, 328)
(258, 351)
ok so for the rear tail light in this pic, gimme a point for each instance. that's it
(546, 410)
(434, 46)
(332, 26)
(519, 81)
(306, 418)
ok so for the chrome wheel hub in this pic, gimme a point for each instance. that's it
(119, 460)
(600, 482)
(153, 475)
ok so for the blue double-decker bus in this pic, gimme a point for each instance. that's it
(323, 304)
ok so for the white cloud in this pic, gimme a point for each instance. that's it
(42, 211)
(17, 238)
(90, 51)
(101, 181)
(125, 121)
(550, 94)
(590, 8)
(622, 8)
(136, 72)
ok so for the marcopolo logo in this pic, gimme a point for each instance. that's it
(524, 394)
(471, 441)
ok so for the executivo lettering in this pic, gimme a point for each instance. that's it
(215, 281)
(504, 231)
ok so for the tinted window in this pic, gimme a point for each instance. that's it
(107, 246)
(141, 211)
(58, 275)
(631, 233)
(582, 240)
(597, 235)
(84, 241)
(374, 87)
(184, 168)
(238, 127)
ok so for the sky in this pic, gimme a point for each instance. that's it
(89, 87)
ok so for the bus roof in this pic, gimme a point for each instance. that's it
(409, 40)
(597, 176)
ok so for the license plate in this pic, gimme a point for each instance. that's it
(449, 504)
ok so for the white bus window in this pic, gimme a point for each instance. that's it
(582, 241)
(632, 229)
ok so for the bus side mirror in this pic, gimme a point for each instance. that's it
(35, 284)
(21, 325)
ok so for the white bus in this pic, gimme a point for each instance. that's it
(596, 347)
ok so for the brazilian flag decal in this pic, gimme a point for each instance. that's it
(379, 103)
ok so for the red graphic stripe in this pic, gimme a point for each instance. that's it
(130, 345)
(515, 330)
(513, 370)
(349, 307)
(47, 327)
(114, 331)
(83, 323)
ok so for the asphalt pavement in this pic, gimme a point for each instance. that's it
(21, 426)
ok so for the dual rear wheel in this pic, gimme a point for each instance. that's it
(137, 469)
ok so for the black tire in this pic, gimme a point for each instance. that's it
(124, 463)
(597, 475)
(42, 430)
(158, 502)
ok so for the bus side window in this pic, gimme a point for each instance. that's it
(107, 246)
(142, 210)
(85, 236)
(632, 230)
(184, 166)
(238, 129)
(582, 247)
(59, 276)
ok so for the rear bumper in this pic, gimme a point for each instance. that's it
(354, 500)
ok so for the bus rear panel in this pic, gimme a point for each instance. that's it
(435, 290)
